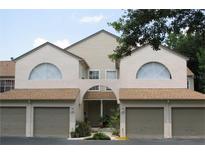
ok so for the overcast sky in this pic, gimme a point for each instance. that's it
(22, 30)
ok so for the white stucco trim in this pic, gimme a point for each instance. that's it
(122, 121)
(167, 121)
(29, 120)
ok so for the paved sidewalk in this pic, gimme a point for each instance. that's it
(60, 141)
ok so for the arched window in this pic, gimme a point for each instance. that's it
(45, 71)
(153, 71)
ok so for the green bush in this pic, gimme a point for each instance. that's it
(115, 121)
(99, 136)
(82, 129)
(115, 132)
(105, 120)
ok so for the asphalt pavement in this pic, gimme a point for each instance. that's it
(61, 141)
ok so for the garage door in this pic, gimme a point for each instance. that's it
(145, 122)
(188, 122)
(12, 121)
(51, 122)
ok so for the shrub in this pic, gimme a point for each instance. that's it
(82, 129)
(105, 120)
(99, 136)
(115, 132)
(115, 121)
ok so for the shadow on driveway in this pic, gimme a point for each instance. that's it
(60, 141)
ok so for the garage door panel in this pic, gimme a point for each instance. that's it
(188, 122)
(51, 122)
(145, 122)
(12, 121)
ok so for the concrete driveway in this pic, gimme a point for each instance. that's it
(60, 141)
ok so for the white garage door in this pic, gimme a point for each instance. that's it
(51, 122)
(145, 122)
(12, 121)
(188, 122)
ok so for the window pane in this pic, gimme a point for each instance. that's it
(94, 88)
(6, 85)
(153, 71)
(111, 75)
(45, 71)
(93, 74)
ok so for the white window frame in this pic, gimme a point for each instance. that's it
(153, 79)
(93, 70)
(94, 79)
(107, 70)
(49, 64)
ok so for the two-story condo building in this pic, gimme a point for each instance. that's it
(46, 90)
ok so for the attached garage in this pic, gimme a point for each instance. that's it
(46, 112)
(161, 113)
(51, 121)
(144, 122)
(188, 122)
(12, 121)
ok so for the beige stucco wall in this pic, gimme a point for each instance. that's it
(95, 51)
(68, 66)
(131, 64)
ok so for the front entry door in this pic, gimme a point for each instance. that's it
(93, 112)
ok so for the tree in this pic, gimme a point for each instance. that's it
(193, 47)
(181, 30)
(201, 60)
(139, 27)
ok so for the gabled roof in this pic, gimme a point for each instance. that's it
(88, 37)
(48, 43)
(41, 94)
(164, 47)
(7, 68)
(159, 94)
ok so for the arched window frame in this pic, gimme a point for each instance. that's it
(54, 66)
(137, 74)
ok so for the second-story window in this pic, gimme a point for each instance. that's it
(6, 85)
(111, 74)
(94, 74)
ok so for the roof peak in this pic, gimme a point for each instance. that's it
(89, 36)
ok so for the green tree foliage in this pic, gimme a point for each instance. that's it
(181, 30)
(192, 46)
(201, 60)
(139, 27)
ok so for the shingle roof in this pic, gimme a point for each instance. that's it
(7, 68)
(100, 95)
(189, 72)
(159, 94)
(40, 94)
